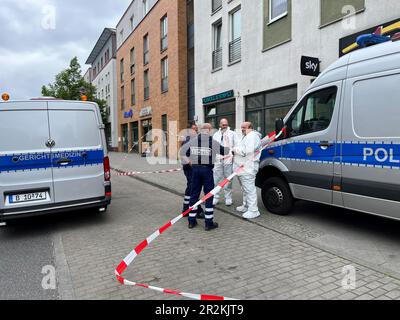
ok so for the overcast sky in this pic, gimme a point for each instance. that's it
(38, 38)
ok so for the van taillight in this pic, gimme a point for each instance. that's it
(107, 172)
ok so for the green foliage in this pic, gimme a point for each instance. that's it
(70, 85)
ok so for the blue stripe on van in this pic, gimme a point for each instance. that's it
(361, 154)
(46, 160)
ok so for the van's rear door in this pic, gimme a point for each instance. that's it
(78, 153)
(25, 159)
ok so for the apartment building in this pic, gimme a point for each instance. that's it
(103, 75)
(254, 59)
(152, 74)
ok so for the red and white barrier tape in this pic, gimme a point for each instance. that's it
(135, 173)
(132, 256)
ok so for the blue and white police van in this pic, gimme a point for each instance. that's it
(53, 157)
(342, 142)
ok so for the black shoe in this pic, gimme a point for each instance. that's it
(192, 225)
(201, 215)
(212, 227)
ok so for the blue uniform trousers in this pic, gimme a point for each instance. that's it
(187, 170)
(202, 178)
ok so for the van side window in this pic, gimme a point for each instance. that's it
(314, 113)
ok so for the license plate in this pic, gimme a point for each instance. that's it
(28, 197)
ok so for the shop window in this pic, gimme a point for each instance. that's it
(225, 110)
(264, 108)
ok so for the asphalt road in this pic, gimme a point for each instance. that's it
(25, 248)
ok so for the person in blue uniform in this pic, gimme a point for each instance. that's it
(201, 152)
(192, 131)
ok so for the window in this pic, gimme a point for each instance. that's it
(277, 9)
(314, 113)
(102, 62)
(377, 114)
(145, 7)
(133, 92)
(224, 110)
(146, 49)
(235, 52)
(164, 33)
(216, 5)
(122, 98)
(164, 75)
(146, 85)
(132, 58)
(217, 45)
(264, 108)
(332, 11)
(121, 66)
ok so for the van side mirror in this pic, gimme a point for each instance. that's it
(279, 125)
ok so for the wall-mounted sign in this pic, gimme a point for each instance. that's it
(389, 29)
(310, 66)
(128, 114)
(145, 112)
(219, 97)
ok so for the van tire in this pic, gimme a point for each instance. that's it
(277, 197)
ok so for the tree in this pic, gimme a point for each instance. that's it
(70, 85)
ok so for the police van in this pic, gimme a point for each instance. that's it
(342, 141)
(53, 157)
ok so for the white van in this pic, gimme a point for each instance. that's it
(53, 158)
(342, 145)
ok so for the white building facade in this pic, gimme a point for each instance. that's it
(248, 53)
(136, 12)
(104, 77)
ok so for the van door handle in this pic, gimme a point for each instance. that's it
(64, 161)
(326, 144)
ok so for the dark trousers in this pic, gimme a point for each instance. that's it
(187, 170)
(202, 178)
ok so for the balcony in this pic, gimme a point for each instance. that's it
(146, 93)
(235, 50)
(164, 43)
(146, 57)
(164, 85)
(217, 59)
(216, 5)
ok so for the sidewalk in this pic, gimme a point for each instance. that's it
(298, 225)
(176, 183)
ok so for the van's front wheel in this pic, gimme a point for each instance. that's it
(277, 197)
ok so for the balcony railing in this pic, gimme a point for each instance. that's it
(216, 5)
(235, 50)
(164, 85)
(217, 59)
(164, 43)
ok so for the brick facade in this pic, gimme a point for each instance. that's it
(172, 103)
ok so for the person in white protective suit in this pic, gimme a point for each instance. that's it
(224, 165)
(244, 154)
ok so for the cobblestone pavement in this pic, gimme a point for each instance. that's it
(370, 240)
(240, 259)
